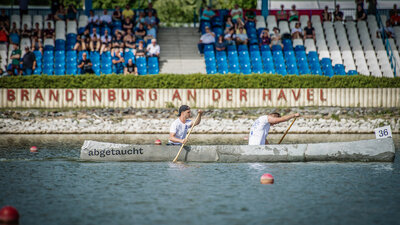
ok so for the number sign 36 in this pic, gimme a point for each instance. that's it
(383, 132)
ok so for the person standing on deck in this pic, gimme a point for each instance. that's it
(260, 128)
(180, 127)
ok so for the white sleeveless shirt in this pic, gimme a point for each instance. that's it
(259, 131)
(180, 129)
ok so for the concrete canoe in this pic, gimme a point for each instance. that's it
(375, 150)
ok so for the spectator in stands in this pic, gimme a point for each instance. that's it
(85, 64)
(140, 32)
(15, 58)
(309, 31)
(4, 18)
(206, 15)
(150, 9)
(128, 13)
(360, 14)
(394, 16)
(117, 41)
(206, 39)
(337, 15)
(141, 19)
(237, 15)
(372, 7)
(79, 43)
(282, 15)
(326, 15)
(3, 35)
(117, 16)
(130, 68)
(14, 34)
(228, 24)
(93, 19)
(105, 41)
(265, 37)
(36, 44)
(95, 42)
(23, 7)
(293, 14)
(71, 12)
(276, 38)
(153, 49)
(151, 33)
(118, 61)
(140, 50)
(220, 45)
(94, 31)
(150, 19)
(28, 62)
(394, 11)
(127, 24)
(297, 32)
(250, 16)
(37, 32)
(26, 33)
(230, 37)
(129, 40)
(60, 14)
(387, 31)
(49, 31)
(86, 43)
(105, 19)
(241, 37)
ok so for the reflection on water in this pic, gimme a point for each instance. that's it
(54, 187)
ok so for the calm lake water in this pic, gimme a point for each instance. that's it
(54, 187)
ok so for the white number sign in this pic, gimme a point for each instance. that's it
(383, 132)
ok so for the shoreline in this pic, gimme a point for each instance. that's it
(323, 120)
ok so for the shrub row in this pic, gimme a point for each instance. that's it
(198, 81)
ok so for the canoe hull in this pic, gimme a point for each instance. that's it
(375, 150)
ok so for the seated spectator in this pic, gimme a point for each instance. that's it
(220, 45)
(117, 16)
(140, 32)
(79, 43)
(105, 19)
(94, 32)
(117, 41)
(150, 9)
(4, 18)
(28, 62)
(293, 14)
(360, 14)
(151, 33)
(26, 33)
(15, 59)
(282, 15)
(394, 16)
(60, 14)
(309, 31)
(130, 68)
(241, 37)
(140, 50)
(118, 60)
(105, 41)
(93, 19)
(394, 11)
(37, 32)
(276, 38)
(228, 24)
(150, 19)
(129, 40)
(127, 24)
(206, 15)
(337, 15)
(230, 37)
(141, 19)
(95, 42)
(237, 15)
(37, 44)
(128, 13)
(49, 31)
(265, 37)
(250, 16)
(3, 35)
(14, 34)
(387, 31)
(205, 39)
(85, 64)
(360, 3)
(326, 15)
(10, 71)
(153, 49)
(85, 44)
(297, 32)
(71, 12)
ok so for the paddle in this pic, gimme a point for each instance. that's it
(190, 131)
(287, 131)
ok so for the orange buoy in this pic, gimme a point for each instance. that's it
(34, 149)
(9, 215)
(267, 178)
(157, 142)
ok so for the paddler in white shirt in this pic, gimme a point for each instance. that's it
(260, 128)
(180, 127)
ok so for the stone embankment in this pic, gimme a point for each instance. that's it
(129, 120)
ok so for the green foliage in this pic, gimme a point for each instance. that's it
(197, 81)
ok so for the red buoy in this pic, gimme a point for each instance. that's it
(267, 178)
(157, 142)
(34, 149)
(9, 215)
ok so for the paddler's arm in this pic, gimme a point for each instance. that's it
(176, 140)
(275, 120)
(200, 112)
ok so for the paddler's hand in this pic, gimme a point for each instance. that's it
(200, 112)
(183, 141)
(297, 115)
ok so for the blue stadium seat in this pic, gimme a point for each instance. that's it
(222, 63)
(254, 48)
(106, 64)
(153, 65)
(352, 72)
(141, 65)
(339, 69)
(208, 48)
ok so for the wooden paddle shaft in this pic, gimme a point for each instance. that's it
(190, 131)
(287, 131)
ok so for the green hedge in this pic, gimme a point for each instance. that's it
(198, 81)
